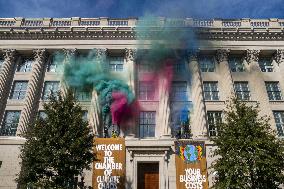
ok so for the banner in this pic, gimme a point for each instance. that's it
(191, 169)
(109, 166)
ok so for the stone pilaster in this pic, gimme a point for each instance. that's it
(197, 114)
(257, 83)
(130, 56)
(69, 54)
(95, 119)
(279, 59)
(33, 91)
(226, 80)
(6, 77)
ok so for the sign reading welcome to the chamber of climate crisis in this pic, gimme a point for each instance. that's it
(109, 165)
(191, 167)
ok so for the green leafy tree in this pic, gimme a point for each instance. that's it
(251, 156)
(57, 148)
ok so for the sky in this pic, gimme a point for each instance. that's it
(139, 8)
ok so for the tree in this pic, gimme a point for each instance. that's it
(57, 148)
(251, 156)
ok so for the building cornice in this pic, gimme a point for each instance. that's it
(111, 29)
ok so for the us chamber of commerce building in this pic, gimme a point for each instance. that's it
(241, 56)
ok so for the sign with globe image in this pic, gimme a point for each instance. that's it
(191, 169)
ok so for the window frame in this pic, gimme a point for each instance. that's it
(118, 65)
(148, 89)
(44, 96)
(26, 65)
(181, 94)
(241, 91)
(151, 125)
(279, 115)
(20, 92)
(9, 127)
(212, 126)
(204, 64)
(266, 64)
(273, 92)
(212, 93)
(236, 64)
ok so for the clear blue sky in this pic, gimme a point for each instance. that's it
(138, 8)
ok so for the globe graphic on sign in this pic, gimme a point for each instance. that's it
(190, 153)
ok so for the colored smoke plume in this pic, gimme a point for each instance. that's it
(91, 72)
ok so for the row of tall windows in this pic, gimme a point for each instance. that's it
(147, 122)
(236, 64)
(242, 91)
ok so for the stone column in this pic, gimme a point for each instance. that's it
(95, 110)
(226, 80)
(279, 59)
(33, 91)
(6, 77)
(256, 82)
(130, 56)
(198, 112)
(69, 54)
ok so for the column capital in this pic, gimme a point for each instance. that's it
(9, 54)
(130, 54)
(279, 56)
(100, 53)
(193, 54)
(70, 53)
(40, 54)
(251, 55)
(222, 55)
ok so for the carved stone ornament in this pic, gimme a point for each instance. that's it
(279, 56)
(130, 54)
(100, 53)
(9, 54)
(69, 53)
(40, 54)
(193, 54)
(251, 55)
(222, 55)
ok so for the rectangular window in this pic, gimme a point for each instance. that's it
(236, 64)
(273, 90)
(146, 90)
(25, 65)
(207, 64)
(19, 90)
(50, 87)
(179, 91)
(211, 91)
(116, 64)
(213, 119)
(1, 63)
(83, 95)
(265, 65)
(179, 67)
(52, 65)
(10, 123)
(242, 90)
(279, 120)
(147, 124)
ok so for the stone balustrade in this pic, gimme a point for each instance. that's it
(132, 22)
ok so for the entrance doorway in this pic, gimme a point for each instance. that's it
(148, 176)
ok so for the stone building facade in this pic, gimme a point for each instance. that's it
(244, 56)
